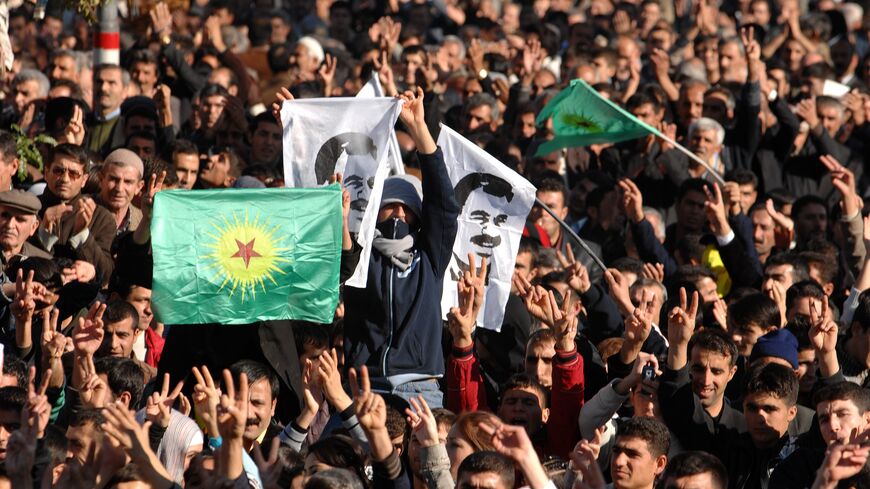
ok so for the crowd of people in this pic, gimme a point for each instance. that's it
(725, 345)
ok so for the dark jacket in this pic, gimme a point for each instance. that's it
(394, 325)
(95, 250)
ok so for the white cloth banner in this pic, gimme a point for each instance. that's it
(494, 202)
(373, 89)
(324, 136)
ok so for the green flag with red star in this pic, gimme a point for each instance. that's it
(581, 116)
(245, 255)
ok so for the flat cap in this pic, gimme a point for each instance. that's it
(125, 157)
(21, 200)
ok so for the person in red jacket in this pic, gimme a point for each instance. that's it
(524, 400)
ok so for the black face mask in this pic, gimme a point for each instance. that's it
(393, 228)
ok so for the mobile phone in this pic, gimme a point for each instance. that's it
(648, 373)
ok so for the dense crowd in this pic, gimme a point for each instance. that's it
(725, 345)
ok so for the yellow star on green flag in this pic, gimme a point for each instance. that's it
(581, 116)
(245, 255)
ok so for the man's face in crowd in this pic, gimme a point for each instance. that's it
(108, 90)
(794, 53)
(63, 68)
(118, 186)
(66, 177)
(539, 361)
(731, 63)
(9, 422)
(481, 480)
(653, 293)
(144, 74)
(211, 110)
(707, 289)
(767, 418)
(556, 202)
(838, 418)
(527, 127)
(119, 338)
(15, 228)
(716, 108)
(396, 210)
(451, 53)
(806, 371)
(708, 51)
(803, 306)
(632, 465)
(705, 143)
(303, 60)
(710, 371)
(24, 93)
(266, 142)
(830, 117)
(745, 336)
(81, 440)
(216, 172)
(690, 106)
(523, 407)
(186, 169)
(748, 196)
(760, 12)
(690, 211)
(543, 80)
(261, 408)
(280, 31)
(524, 265)
(763, 232)
(811, 222)
(140, 298)
(479, 117)
(647, 113)
(139, 123)
(142, 146)
(783, 274)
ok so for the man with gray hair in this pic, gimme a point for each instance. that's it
(66, 65)
(28, 86)
(120, 181)
(705, 138)
(481, 113)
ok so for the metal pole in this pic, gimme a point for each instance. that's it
(107, 38)
(571, 233)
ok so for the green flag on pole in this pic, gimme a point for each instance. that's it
(581, 116)
(246, 255)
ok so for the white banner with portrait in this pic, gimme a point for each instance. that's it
(494, 202)
(324, 136)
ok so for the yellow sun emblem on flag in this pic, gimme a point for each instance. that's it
(245, 254)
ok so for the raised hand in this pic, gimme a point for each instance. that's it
(54, 342)
(844, 180)
(578, 275)
(514, 443)
(720, 313)
(681, 319)
(37, 408)
(161, 20)
(639, 324)
(422, 422)
(842, 461)
(24, 302)
(823, 336)
(806, 110)
(564, 321)
(233, 408)
(123, 429)
(412, 109)
(475, 279)
(74, 133)
(88, 333)
(206, 398)
(93, 392)
(159, 406)
(327, 74)
(784, 229)
(80, 271)
(534, 297)
(281, 96)
(619, 290)
(716, 213)
(583, 459)
(385, 73)
(311, 395)
(371, 410)
(533, 56)
(461, 319)
(329, 379)
(84, 210)
(632, 200)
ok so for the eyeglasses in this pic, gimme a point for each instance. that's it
(59, 171)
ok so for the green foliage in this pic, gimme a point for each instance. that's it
(28, 152)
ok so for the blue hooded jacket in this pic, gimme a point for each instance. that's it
(394, 325)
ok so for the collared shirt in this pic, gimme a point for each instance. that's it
(853, 370)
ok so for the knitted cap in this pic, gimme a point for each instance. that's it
(779, 343)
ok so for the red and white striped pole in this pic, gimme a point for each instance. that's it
(107, 39)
